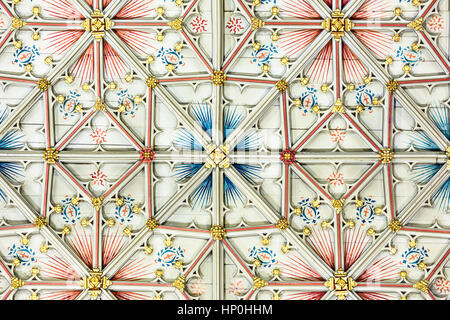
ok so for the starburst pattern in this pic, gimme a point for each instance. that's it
(211, 131)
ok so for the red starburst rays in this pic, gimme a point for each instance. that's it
(356, 240)
(377, 296)
(59, 42)
(115, 68)
(112, 243)
(329, 2)
(140, 41)
(292, 42)
(354, 70)
(60, 295)
(320, 68)
(135, 9)
(135, 270)
(383, 269)
(381, 43)
(129, 295)
(294, 267)
(299, 9)
(57, 268)
(84, 68)
(321, 242)
(81, 243)
(304, 296)
(373, 9)
(62, 9)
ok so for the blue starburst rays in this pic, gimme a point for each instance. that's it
(10, 141)
(185, 140)
(202, 113)
(232, 118)
(439, 114)
(201, 197)
(422, 173)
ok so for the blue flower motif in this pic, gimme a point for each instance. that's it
(409, 56)
(309, 213)
(71, 212)
(170, 56)
(169, 255)
(308, 100)
(366, 213)
(127, 100)
(124, 212)
(68, 107)
(25, 254)
(264, 54)
(25, 55)
(264, 255)
(412, 257)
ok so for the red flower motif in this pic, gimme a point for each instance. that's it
(199, 24)
(234, 25)
(287, 156)
(98, 136)
(336, 179)
(98, 178)
(337, 135)
(147, 155)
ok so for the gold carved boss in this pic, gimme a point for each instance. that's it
(337, 24)
(95, 282)
(341, 284)
(97, 24)
(217, 156)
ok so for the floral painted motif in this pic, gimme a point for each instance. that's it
(70, 211)
(25, 254)
(409, 56)
(442, 285)
(68, 107)
(413, 256)
(264, 255)
(235, 25)
(237, 287)
(98, 178)
(264, 54)
(124, 212)
(365, 97)
(98, 136)
(336, 179)
(170, 57)
(308, 100)
(436, 24)
(197, 287)
(169, 255)
(25, 55)
(366, 213)
(309, 213)
(199, 24)
(127, 100)
(337, 135)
